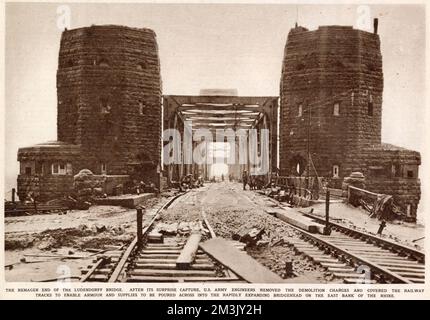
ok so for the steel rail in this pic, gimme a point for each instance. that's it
(383, 243)
(120, 266)
(354, 259)
(334, 250)
(131, 247)
(205, 219)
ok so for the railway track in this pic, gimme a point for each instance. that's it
(107, 268)
(358, 257)
(350, 255)
(157, 262)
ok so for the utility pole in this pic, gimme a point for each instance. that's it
(309, 146)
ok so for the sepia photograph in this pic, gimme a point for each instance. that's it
(263, 150)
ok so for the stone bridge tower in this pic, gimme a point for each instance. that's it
(109, 112)
(331, 110)
(331, 92)
(109, 97)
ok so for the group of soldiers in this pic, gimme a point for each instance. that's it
(134, 186)
(271, 189)
(188, 182)
(254, 182)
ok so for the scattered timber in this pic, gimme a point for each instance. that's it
(239, 262)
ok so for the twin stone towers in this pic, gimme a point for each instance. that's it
(109, 95)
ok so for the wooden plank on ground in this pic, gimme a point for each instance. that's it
(298, 220)
(239, 262)
(188, 253)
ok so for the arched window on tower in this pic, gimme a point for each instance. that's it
(408, 210)
(103, 168)
(141, 108)
(335, 171)
(103, 62)
(336, 109)
(105, 108)
(300, 110)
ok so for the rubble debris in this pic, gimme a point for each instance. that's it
(155, 237)
(228, 221)
(87, 186)
(355, 179)
(380, 206)
(47, 243)
(181, 228)
(262, 243)
(95, 235)
(19, 242)
(167, 228)
(249, 237)
(277, 242)
(99, 228)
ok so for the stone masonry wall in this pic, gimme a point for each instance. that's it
(385, 172)
(45, 187)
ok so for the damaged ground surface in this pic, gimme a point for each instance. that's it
(45, 247)
(229, 210)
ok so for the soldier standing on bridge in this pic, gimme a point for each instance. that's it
(381, 227)
(244, 179)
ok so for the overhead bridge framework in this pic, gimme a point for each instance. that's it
(221, 112)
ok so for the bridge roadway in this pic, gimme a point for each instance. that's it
(230, 209)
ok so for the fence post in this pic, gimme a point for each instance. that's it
(327, 230)
(300, 187)
(139, 212)
(288, 268)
